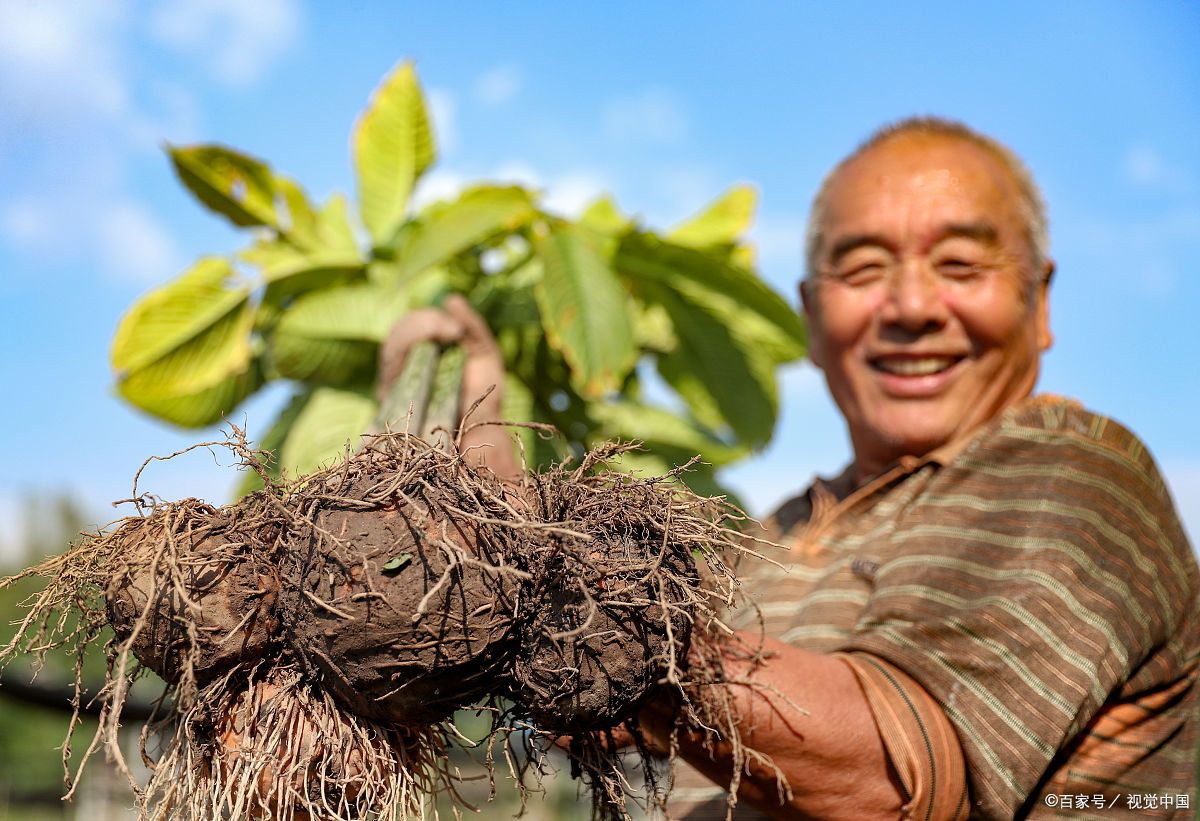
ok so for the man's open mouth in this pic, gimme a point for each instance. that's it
(914, 365)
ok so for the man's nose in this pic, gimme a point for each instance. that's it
(914, 301)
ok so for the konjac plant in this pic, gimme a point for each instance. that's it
(585, 309)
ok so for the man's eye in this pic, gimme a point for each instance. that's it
(863, 273)
(958, 269)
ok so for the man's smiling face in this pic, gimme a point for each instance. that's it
(926, 313)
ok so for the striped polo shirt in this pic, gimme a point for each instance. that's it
(1036, 584)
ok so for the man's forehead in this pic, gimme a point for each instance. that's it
(930, 177)
(925, 163)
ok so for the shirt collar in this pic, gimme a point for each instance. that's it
(843, 485)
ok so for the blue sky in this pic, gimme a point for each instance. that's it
(662, 104)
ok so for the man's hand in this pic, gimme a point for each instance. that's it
(807, 712)
(622, 738)
(457, 323)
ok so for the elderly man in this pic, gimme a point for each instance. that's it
(993, 611)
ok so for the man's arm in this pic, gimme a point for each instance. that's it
(807, 712)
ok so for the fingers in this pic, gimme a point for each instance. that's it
(486, 444)
(426, 324)
(655, 723)
(476, 336)
(458, 323)
(619, 738)
(484, 365)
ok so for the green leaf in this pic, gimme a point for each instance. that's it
(424, 289)
(507, 301)
(393, 145)
(645, 258)
(185, 336)
(289, 270)
(585, 310)
(301, 219)
(603, 217)
(333, 226)
(674, 368)
(330, 420)
(232, 184)
(652, 329)
(397, 562)
(721, 222)
(744, 256)
(447, 229)
(658, 428)
(752, 329)
(720, 379)
(192, 408)
(332, 336)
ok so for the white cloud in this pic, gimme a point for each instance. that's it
(439, 184)
(126, 241)
(238, 40)
(134, 245)
(652, 115)
(66, 86)
(519, 172)
(65, 72)
(61, 58)
(1145, 167)
(568, 193)
(27, 224)
(443, 108)
(571, 193)
(498, 85)
(681, 192)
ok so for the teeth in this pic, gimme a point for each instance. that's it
(915, 367)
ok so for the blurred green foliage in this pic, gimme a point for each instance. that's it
(31, 737)
(588, 310)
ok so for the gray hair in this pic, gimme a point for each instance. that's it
(1033, 206)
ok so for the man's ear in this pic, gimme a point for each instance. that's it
(1045, 336)
(808, 299)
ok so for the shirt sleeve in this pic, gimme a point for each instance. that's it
(1029, 585)
(919, 740)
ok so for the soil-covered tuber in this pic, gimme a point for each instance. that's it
(374, 598)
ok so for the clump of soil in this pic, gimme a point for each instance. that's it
(315, 636)
(225, 573)
(409, 596)
(611, 602)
